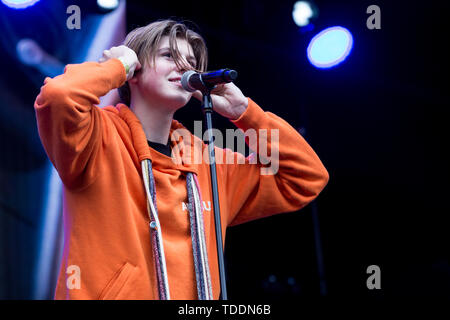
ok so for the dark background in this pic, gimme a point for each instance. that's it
(378, 122)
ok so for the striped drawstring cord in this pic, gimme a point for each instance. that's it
(155, 230)
(202, 272)
(201, 264)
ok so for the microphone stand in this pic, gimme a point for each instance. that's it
(207, 111)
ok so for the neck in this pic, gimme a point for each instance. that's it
(155, 121)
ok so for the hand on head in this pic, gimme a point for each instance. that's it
(126, 55)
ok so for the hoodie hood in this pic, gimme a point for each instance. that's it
(187, 149)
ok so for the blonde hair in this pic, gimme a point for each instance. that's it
(145, 42)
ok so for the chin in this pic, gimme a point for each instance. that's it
(176, 103)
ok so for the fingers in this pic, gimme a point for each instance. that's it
(219, 89)
(106, 56)
(198, 95)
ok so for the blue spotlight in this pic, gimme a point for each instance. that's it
(19, 4)
(330, 47)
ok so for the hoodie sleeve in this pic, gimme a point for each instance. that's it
(69, 123)
(283, 176)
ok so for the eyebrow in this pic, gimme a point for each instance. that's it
(188, 57)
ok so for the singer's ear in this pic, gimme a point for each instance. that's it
(136, 74)
(134, 79)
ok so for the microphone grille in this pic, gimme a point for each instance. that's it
(185, 80)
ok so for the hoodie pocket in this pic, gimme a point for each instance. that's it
(118, 282)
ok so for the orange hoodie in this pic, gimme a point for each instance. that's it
(98, 152)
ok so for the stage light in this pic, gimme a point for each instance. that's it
(30, 53)
(19, 4)
(108, 4)
(330, 47)
(302, 12)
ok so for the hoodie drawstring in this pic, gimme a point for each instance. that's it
(202, 272)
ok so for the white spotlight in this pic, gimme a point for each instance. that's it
(19, 4)
(302, 12)
(108, 4)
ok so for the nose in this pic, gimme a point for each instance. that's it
(184, 65)
(182, 69)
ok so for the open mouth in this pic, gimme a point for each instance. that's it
(176, 80)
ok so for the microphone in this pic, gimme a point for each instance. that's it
(192, 80)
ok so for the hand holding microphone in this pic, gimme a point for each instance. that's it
(227, 98)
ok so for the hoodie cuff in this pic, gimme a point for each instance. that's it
(119, 69)
(251, 118)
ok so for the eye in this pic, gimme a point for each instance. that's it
(167, 54)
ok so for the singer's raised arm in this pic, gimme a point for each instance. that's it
(69, 123)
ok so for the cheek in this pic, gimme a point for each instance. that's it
(163, 67)
(152, 80)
